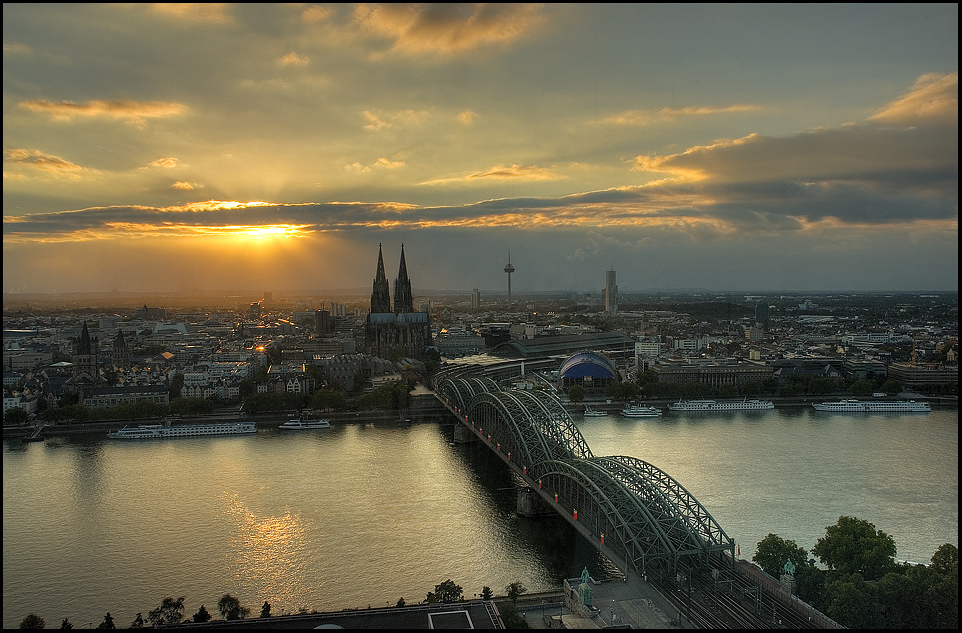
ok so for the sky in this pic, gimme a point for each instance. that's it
(193, 148)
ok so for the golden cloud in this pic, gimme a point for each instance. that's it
(166, 162)
(502, 172)
(294, 59)
(41, 161)
(136, 112)
(933, 99)
(648, 117)
(197, 11)
(448, 28)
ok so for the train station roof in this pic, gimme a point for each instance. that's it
(564, 345)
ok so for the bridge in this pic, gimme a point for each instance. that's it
(636, 514)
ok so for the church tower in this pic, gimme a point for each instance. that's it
(120, 356)
(403, 297)
(381, 295)
(86, 360)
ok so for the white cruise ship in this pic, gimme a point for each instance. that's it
(874, 406)
(162, 431)
(714, 405)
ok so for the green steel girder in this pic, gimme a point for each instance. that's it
(639, 508)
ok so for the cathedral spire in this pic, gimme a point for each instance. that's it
(403, 298)
(381, 295)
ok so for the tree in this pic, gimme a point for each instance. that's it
(447, 591)
(773, 552)
(400, 603)
(945, 560)
(891, 386)
(576, 393)
(266, 610)
(231, 609)
(32, 621)
(514, 590)
(15, 417)
(202, 615)
(170, 611)
(138, 622)
(108, 622)
(66, 624)
(854, 546)
(486, 593)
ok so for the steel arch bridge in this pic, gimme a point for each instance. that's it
(635, 513)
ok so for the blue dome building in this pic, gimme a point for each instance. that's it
(590, 370)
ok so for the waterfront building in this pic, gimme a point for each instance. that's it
(913, 375)
(105, 397)
(593, 371)
(712, 372)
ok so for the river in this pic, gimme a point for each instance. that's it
(364, 514)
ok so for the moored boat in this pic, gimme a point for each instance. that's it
(594, 413)
(852, 405)
(640, 411)
(714, 405)
(305, 424)
(163, 431)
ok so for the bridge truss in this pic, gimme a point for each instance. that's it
(635, 513)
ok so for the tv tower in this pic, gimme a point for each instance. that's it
(509, 269)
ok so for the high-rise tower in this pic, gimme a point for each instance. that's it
(611, 293)
(509, 269)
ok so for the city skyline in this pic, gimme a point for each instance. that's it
(221, 147)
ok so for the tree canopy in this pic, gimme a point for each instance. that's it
(170, 611)
(230, 607)
(854, 546)
(773, 552)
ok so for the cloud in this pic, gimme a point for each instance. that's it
(389, 164)
(649, 117)
(167, 163)
(293, 59)
(933, 100)
(136, 112)
(448, 28)
(14, 48)
(378, 121)
(38, 161)
(467, 117)
(901, 165)
(502, 172)
(194, 11)
(315, 13)
(184, 186)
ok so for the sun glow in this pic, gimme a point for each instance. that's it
(267, 231)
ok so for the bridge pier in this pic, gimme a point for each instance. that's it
(530, 504)
(463, 435)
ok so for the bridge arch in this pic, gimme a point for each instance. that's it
(634, 511)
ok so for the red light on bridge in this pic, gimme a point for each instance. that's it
(556, 497)
(602, 539)
(539, 483)
(576, 515)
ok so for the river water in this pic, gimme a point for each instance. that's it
(364, 514)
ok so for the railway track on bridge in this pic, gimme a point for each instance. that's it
(729, 600)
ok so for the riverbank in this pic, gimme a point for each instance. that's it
(418, 415)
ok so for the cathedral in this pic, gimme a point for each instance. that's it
(387, 328)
